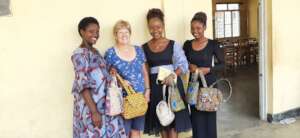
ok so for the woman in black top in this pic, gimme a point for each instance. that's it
(162, 52)
(200, 52)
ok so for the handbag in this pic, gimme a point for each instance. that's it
(135, 104)
(164, 73)
(192, 89)
(176, 101)
(209, 98)
(114, 99)
(163, 110)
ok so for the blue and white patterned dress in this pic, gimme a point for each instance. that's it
(91, 73)
(131, 71)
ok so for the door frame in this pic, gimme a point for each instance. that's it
(263, 59)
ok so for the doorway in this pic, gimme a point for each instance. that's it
(241, 29)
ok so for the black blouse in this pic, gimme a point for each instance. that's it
(204, 57)
(159, 58)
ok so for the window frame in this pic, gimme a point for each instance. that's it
(231, 23)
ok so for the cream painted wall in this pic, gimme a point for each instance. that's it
(253, 18)
(193, 6)
(179, 14)
(36, 73)
(285, 44)
(37, 41)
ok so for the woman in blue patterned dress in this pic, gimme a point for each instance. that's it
(129, 62)
(89, 88)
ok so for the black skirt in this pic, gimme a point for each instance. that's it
(204, 123)
(181, 122)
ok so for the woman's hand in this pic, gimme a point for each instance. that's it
(147, 95)
(112, 71)
(193, 68)
(95, 116)
(204, 70)
(96, 119)
(170, 79)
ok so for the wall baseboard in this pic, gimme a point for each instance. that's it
(277, 117)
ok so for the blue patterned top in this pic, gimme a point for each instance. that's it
(131, 71)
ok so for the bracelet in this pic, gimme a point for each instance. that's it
(147, 89)
(94, 113)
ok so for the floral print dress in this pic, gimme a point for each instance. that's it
(132, 71)
(91, 73)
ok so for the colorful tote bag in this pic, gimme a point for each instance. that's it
(114, 99)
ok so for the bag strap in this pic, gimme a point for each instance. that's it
(203, 80)
(194, 76)
(164, 87)
(129, 90)
(114, 81)
(204, 83)
(230, 88)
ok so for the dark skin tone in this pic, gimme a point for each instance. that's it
(159, 43)
(199, 43)
(89, 37)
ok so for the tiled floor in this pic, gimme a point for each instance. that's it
(239, 118)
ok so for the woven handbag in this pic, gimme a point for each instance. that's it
(163, 110)
(209, 99)
(135, 104)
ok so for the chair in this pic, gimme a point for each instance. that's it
(253, 44)
(230, 59)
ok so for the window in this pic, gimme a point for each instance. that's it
(4, 7)
(227, 20)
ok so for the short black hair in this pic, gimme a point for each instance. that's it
(155, 13)
(85, 22)
(200, 17)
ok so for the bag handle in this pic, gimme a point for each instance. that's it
(203, 80)
(212, 85)
(164, 87)
(230, 88)
(114, 81)
(194, 76)
(129, 90)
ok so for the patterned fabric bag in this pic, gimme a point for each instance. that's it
(114, 99)
(163, 110)
(209, 98)
(176, 102)
(135, 104)
(192, 89)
